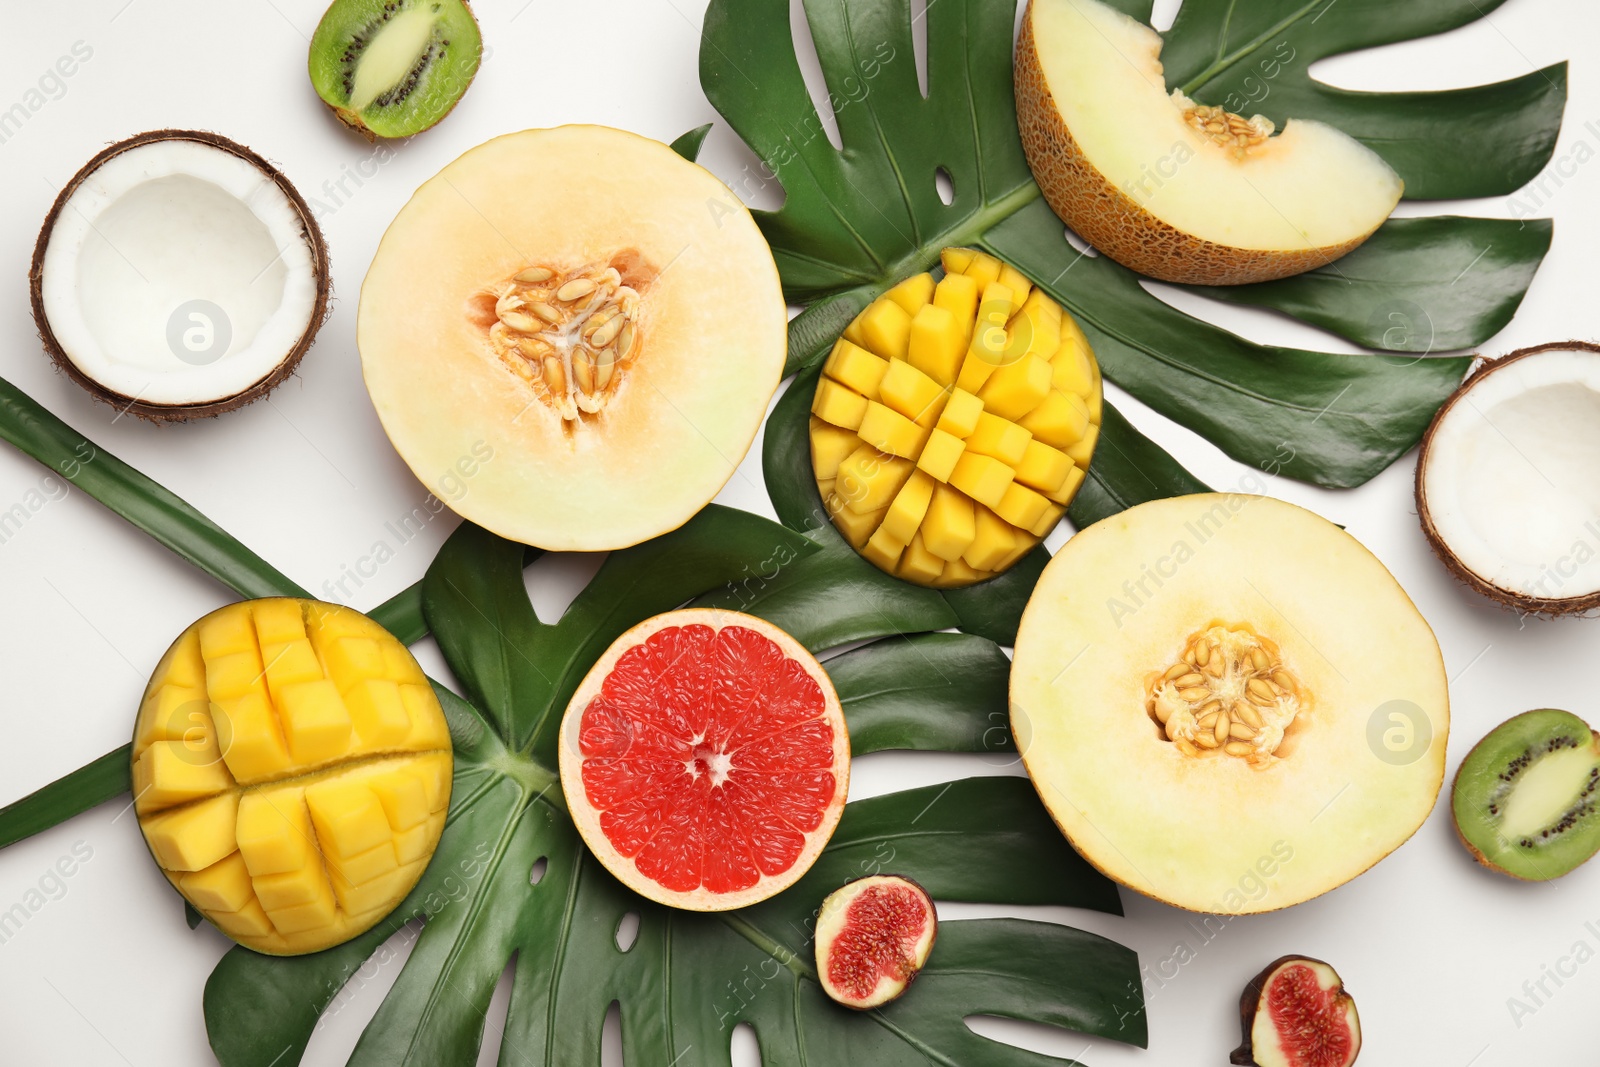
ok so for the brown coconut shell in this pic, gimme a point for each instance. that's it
(182, 412)
(1111, 221)
(1506, 598)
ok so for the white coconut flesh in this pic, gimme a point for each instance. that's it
(178, 273)
(1511, 475)
(1310, 186)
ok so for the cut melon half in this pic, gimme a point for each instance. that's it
(571, 336)
(1227, 703)
(1171, 188)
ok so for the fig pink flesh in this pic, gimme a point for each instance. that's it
(1309, 1019)
(882, 928)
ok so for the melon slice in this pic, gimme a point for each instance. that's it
(1168, 187)
(705, 759)
(571, 336)
(1227, 703)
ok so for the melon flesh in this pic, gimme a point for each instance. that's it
(682, 412)
(1208, 829)
(1305, 195)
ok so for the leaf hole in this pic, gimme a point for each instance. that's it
(802, 133)
(1079, 243)
(945, 186)
(555, 579)
(1163, 13)
(611, 1037)
(744, 1048)
(627, 931)
(540, 867)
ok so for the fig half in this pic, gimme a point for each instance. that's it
(873, 938)
(1296, 1013)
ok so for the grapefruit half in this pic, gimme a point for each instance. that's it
(705, 759)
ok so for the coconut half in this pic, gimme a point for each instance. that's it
(1508, 488)
(178, 275)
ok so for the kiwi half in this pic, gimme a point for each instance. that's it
(1525, 798)
(393, 68)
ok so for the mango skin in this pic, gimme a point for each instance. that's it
(292, 771)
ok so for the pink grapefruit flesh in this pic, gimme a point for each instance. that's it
(705, 759)
(873, 938)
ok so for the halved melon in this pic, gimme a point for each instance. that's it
(1227, 703)
(571, 336)
(1173, 189)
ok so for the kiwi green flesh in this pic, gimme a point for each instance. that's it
(393, 68)
(1527, 797)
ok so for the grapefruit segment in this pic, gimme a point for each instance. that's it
(705, 759)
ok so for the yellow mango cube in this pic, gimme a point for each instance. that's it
(984, 269)
(1021, 506)
(908, 508)
(889, 431)
(402, 796)
(168, 713)
(1017, 388)
(913, 294)
(960, 415)
(885, 328)
(856, 526)
(275, 831)
(316, 723)
(869, 479)
(302, 886)
(1069, 487)
(428, 726)
(1016, 281)
(399, 665)
(249, 737)
(373, 863)
(839, 405)
(983, 478)
(999, 438)
(994, 541)
(957, 260)
(351, 659)
(315, 914)
(1070, 370)
(986, 353)
(226, 632)
(1042, 467)
(919, 565)
(233, 674)
(851, 365)
(1082, 450)
(379, 893)
(376, 712)
(883, 549)
(940, 454)
(958, 294)
(182, 666)
(278, 620)
(1096, 403)
(413, 844)
(175, 772)
(948, 528)
(192, 838)
(249, 921)
(911, 393)
(1060, 420)
(1047, 520)
(829, 445)
(957, 574)
(998, 304)
(348, 818)
(289, 663)
(223, 886)
(938, 343)
(825, 488)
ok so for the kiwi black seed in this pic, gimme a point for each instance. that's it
(1527, 797)
(393, 68)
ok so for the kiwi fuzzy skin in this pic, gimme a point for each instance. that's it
(183, 412)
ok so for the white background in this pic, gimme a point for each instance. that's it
(1431, 945)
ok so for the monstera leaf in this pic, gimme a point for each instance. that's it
(857, 220)
(512, 881)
